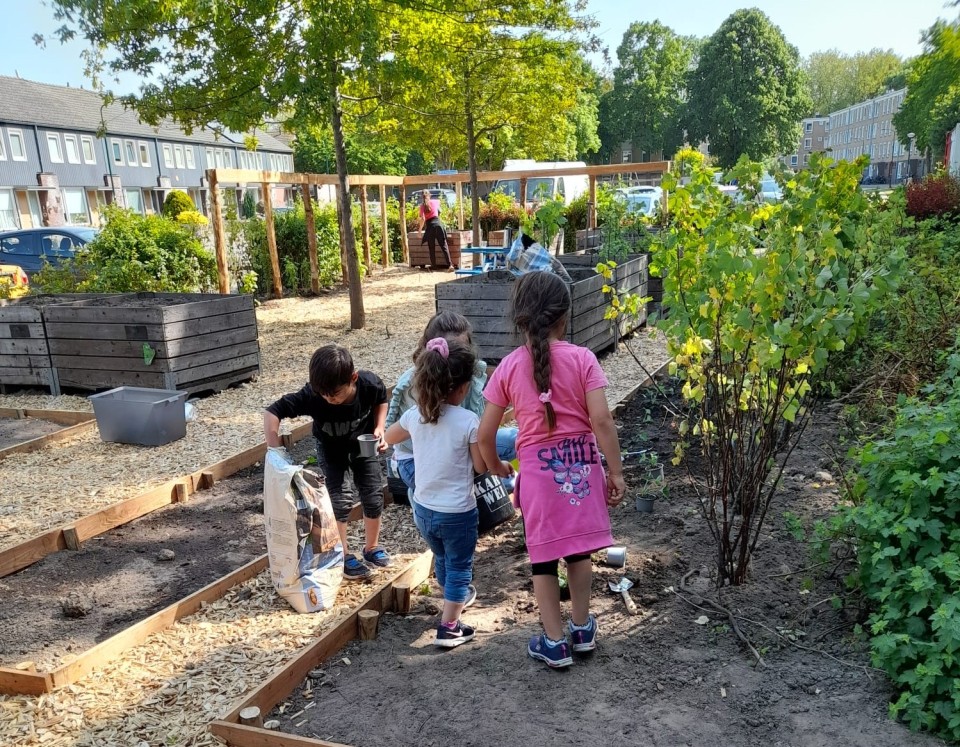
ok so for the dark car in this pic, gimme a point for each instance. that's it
(29, 247)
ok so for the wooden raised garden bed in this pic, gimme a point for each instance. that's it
(420, 253)
(24, 354)
(485, 301)
(187, 341)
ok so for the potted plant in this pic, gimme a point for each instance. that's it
(652, 483)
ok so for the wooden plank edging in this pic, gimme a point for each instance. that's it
(64, 417)
(285, 679)
(35, 444)
(16, 682)
(627, 398)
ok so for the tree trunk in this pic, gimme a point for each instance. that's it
(345, 213)
(472, 164)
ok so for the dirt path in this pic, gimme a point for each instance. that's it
(659, 678)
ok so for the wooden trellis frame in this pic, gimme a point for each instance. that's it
(216, 177)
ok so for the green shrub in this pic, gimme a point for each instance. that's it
(498, 212)
(176, 202)
(134, 253)
(908, 526)
(576, 215)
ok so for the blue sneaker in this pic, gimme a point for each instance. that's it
(378, 557)
(555, 656)
(452, 637)
(584, 639)
(354, 570)
(471, 596)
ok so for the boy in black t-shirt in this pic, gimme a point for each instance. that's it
(344, 403)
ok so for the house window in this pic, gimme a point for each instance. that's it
(8, 210)
(75, 202)
(188, 154)
(208, 154)
(87, 149)
(806, 159)
(144, 153)
(134, 200)
(807, 142)
(168, 156)
(809, 126)
(117, 150)
(53, 145)
(131, 152)
(72, 148)
(793, 160)
(18, 151)
(178, 156)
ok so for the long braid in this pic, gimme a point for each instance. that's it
(541, 302)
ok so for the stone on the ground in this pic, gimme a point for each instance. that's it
(77, 604)
(166, 555)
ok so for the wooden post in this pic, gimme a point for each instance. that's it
(404, 241)
(70, 538)
(592, 206)
(26, 666)
(207, 480)
(459, 187)
(271, 240)
(367, 623)
(311, 239)
(219, 235)
(384, 227)
(343, 245)
(181, 494)
(401, 598)
(251, 716)
(523, 193)
(366, 231)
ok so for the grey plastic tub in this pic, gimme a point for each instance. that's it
(136, 415)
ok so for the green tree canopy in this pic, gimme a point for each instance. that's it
(838, 80)
(931, 107)
(314, 153)
(649, 87)
(748, 93)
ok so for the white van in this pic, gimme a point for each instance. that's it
(566, 187)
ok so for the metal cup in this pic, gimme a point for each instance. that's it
(616, 557)
(368, 444)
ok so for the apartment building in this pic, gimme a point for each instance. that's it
(867, 128)
(813, 139)
(64, 154)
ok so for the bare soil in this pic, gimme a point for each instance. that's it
(663, 677)
(15, 431)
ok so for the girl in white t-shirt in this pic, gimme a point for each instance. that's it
(444, 438)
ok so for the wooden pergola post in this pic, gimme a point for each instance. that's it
(459, 186)
(311, 238)
(343, 242)
(592, 205)
(404, 241)
(277, 287)
(384, 227)
(366, 231)
(219, 235)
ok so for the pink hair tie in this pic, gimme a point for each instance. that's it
(546, 396)
(440, 345)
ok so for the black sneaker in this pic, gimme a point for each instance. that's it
(354, 570)
(451, 637)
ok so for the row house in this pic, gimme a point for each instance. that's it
(866, 128)
(813, 139)
(64, 154)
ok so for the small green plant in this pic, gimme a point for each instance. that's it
(546, 223)
(177, 201)
(248, 282)
(291, 274)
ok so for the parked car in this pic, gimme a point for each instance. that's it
(14, 282)
(447, 196)
(29, 247)
(641, 200)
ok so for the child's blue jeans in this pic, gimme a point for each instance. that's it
(453, 539)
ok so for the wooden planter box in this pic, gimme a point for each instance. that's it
(199, 341)
(485, 301)
(24, 353)
(420, 253)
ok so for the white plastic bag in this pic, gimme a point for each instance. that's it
(303, 545)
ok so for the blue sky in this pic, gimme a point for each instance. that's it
(810, 25)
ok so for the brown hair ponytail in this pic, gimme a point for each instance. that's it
(541, 303)
(442, 366)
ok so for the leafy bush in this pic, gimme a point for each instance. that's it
(908, 526)
(576, 215)
(498, 212)
(176, 202)
(937, 196)
(133, 253)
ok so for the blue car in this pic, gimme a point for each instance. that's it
(29, 247)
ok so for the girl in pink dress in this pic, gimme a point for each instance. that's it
(557, 393)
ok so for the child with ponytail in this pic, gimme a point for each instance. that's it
(557, 393)
(444, 437)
